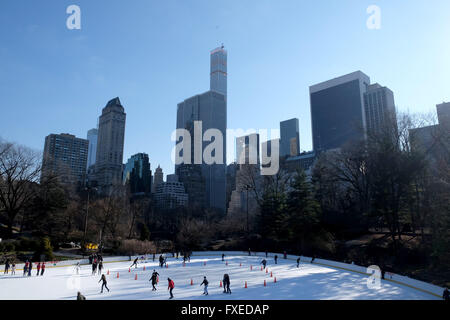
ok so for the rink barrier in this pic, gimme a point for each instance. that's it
(425, 287)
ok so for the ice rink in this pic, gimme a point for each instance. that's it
(309, 281)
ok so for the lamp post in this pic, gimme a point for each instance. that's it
(88, 189)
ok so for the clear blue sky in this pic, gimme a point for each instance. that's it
(154, 54)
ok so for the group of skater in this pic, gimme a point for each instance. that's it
(97, 264)
(27, 269)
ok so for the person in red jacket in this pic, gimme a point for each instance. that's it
(171, 286)
(38, 268)
(42, 268)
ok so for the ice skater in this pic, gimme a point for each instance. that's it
(77, 267)
(25, 268)
(100, 267)
(226, 283)
(298, 262)
(13, 268)
(276, 259)
(170, 287)
(161, 261)
(30, 267)
(135, 262)
(6, 266)
(38, 268)
(94, 267)
(313, 258)
(154, 279)
(264, 262)
(223, 256)
(42, 268)
(104, 283)
(446, 295)
(205, 283)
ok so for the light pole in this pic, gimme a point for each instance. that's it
(88, 189)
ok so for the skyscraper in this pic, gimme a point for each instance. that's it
(158, 178)
(92, 136)
(289, 138)
(65, 156)
(210, 109)
(337, 111)
(218, 76)
(379, 107)
(111, 136)
(138, 175)
(443, 113)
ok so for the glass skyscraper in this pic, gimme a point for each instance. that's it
(337, 111)
(218, 76)
(138, 175)
(92, 136)
(289, 138)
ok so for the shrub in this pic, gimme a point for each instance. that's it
(132, 247)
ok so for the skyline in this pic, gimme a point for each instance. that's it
(82, 70)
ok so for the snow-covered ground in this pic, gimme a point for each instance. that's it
(307, 282)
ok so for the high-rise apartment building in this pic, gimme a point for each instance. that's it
(111, 137)
(218, 76)
(158, 178)
(65, 156)
(379, 107)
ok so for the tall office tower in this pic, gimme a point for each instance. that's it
(379, 107)
(65, 156)
(138, 175)
(247, 174)
(247, 149)
(218, 76)
(290, 138)
(92, 136)
(111, 136)
(443, 113)
(210, 109)
(157, 179)
(337, 111)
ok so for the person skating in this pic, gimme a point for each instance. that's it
(170, 287)
(135, 263)
(80, 296)
(298, 262)
(100, 267)
(223, 257)
(30, 267)
(13, 268)
(226, 283)
(42, 268)
(38, 268)
(285, 255)
(153, 257)
(78, 267)
(313, 258)
(249, 252)
(266, 254)
(446, 295)
(154, 279)
(6, 266)
(264, 262)
(104, 283)
(161, 261)
(94, 268)
(25, 268)
(205, 283)
(276, 259)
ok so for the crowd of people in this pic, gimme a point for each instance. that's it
(27, 269)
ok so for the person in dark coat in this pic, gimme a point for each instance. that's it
(285, 255)
(38, 268)
(161, 261)
(226, 283)
(94, 267)
(6, 266)
(154, 280)
(266, 254)
(25, 268)
(249, 252)
(205, 283)
(135, 263)
(446, 295)
(153, 256)
(298, 262)
(223, 256)
(100, 267)
(42, 268)
(104, 283)
(276, 259)
(30, 267)
(264, 262)
(80, 296)
(170, 287)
